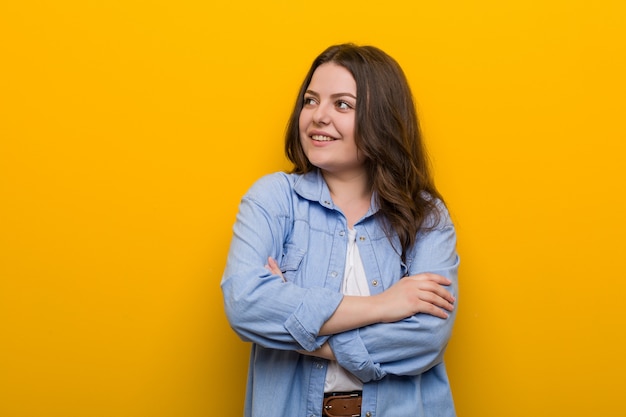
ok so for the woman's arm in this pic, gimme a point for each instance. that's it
(421, 293)
(414, 344)
(260, 306)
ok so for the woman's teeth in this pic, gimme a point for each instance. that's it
(322, 138)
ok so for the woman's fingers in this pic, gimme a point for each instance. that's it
(438, 298)
(429, 294)
(433, 310)
(422, 293)
(273, 267)
(434, 284)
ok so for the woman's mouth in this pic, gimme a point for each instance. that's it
(322, 138)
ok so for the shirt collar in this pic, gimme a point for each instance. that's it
(312, 186)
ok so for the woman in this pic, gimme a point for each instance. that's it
(343, 272)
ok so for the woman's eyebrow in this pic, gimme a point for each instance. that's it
(336, 95)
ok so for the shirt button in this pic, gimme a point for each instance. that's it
(362, 238)
(368, 414)
(327, 202)
(342, 233)
(334, 274)
(375, 282)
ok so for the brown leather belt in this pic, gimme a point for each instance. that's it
(342, 404)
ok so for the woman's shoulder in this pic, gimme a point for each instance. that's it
(274, 182)
(276, 189)
(438, 216)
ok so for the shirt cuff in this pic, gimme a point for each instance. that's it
(305, 323)
(353, 356)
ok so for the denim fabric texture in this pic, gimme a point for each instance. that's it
(292, 219)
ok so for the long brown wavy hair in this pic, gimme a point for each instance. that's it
(387, 132)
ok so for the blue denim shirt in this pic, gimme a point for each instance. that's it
(292, 218)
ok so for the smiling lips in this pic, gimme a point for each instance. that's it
(322, 138)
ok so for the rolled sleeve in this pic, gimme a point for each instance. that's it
(305, 322)
(352, 355)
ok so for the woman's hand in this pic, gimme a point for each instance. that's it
(324, 352)
(273, 267)
(421, 293)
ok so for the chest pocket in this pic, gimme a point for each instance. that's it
(291, 262)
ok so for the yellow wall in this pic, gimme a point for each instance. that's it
(129, 130)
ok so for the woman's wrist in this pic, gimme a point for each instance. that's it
(353, 312)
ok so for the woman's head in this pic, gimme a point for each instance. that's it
(386, 125)
(327, 122)
(386, 133)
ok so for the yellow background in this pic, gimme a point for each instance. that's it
(129, 129)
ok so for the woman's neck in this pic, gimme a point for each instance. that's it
(351, 193)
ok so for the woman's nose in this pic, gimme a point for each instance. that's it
(321, 115)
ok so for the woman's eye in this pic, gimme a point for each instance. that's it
(308, 101)
(344, 105)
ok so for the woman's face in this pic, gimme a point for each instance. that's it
(327, 121)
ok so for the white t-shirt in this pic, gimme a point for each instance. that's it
(354, 283)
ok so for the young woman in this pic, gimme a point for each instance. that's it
(343, 273)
